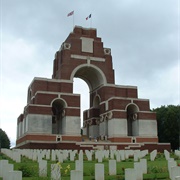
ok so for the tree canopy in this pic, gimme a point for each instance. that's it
(168, 120)
(4, 140)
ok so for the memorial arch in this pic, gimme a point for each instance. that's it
(52, 112)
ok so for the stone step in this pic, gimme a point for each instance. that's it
(133, 146)
(86, 139)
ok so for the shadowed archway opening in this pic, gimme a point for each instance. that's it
(132, 123)
(58, 114)
(96, 102)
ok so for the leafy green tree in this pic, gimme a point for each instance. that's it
(168, 120)
(4, 140)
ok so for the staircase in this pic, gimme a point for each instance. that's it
(134, 146)
(86, 139)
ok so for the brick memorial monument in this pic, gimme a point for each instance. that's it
(51, 118)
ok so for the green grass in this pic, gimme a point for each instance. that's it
(156, 169)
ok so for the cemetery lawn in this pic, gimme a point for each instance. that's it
(156, 169)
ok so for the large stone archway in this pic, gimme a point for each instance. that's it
(91, 74)
(53, 109)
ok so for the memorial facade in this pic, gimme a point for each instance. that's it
(52, 113)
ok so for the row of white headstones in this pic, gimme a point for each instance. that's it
(114, 156)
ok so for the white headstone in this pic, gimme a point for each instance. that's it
(60, 157)
(143, 163)
(171, 163)
(118, 156)
(139, 171)
(130, 174)
(53, 155)
(153, 155)
(34, 155)
(65, 154)
(2, 164)
(29, 153)
(177, 153)
(144, 153)
(43, 153)
(16, 156)
(15, 175)
(76, 175)
(112, 154)
(79, 165)
(47, 155)
(112, 167)
(6, 169)
(122, 154)
(55, 172)
(43, 168)
(89, 155)
(136, 156)
(167, 154)
(128, 153)
(39, 156)
(99, 171)
(105, 153)
(175, 171)
(99, 157)
(81, 155)
(72, 155)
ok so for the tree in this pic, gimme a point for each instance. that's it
(168, 120)
(4, 140)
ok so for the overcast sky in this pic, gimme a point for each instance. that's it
(143, 36)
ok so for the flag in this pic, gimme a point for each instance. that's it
(88, 17)
(71, 13)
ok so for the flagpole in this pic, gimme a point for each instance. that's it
(71, 14)
(73, 20)
(91, 21)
